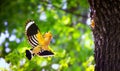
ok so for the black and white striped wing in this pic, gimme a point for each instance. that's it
(31, 31)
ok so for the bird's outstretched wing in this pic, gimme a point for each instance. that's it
(32, 31)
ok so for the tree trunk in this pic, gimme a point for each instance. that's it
(106, 15)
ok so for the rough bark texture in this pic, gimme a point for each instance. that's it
(106, 15)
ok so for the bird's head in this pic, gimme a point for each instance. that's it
(48, 35)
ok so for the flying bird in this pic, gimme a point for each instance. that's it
(38, 41)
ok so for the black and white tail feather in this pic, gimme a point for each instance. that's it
(31, 31)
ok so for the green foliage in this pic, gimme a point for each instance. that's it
(72, 39)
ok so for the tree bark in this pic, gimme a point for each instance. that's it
(106, 15)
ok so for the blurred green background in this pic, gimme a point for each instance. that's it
(66, 19)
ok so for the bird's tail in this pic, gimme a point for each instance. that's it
(29, 54)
